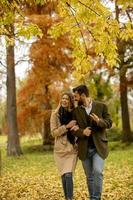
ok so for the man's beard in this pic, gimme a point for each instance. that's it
(80, 103)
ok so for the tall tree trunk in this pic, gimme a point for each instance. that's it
(0, 163)
(13, 145)
(47, 138)
(126, 129)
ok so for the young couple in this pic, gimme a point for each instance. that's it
(80, 132)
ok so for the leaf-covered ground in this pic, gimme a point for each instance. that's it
(34, 176)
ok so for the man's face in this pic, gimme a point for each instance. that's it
(78, 98)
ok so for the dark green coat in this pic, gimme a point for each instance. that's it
(98, 130)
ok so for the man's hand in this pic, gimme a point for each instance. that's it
(87, 131)
(94, 117)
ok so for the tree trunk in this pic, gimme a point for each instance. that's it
(0, 163)
(126, 129)
(13, 144)
(47, 138)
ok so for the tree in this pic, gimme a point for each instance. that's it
(109, 39)
(10, 27)
(125, 45)
(91, 18)
(51, 66)
(13, 146)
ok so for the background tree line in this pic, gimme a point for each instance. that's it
(66, 41)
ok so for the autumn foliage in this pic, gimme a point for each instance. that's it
(51, 66)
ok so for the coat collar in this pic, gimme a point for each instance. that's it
(82, 114)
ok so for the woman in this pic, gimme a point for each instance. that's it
(65, 151)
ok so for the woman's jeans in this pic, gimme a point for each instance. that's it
(93, 167)
(67, 182)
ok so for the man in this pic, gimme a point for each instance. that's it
(92, 119)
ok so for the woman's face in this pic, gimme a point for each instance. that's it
(65, 101)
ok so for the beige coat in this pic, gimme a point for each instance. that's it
(65, 154)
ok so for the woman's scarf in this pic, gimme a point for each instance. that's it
(65, 117)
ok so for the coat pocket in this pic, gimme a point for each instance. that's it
(62, 144)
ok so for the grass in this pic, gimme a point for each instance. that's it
(34, 176)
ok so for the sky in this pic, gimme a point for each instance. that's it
(21, 70)
(21, 53)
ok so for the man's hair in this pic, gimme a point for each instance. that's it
(81, 89)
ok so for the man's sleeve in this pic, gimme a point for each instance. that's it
(79, 132)
(105, 121)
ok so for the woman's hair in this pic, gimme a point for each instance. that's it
(70, 98)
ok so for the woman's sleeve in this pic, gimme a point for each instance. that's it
(56, 129)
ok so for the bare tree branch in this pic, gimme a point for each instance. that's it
(2, 64)
(19, 61)
(2, 72)
(130, 19)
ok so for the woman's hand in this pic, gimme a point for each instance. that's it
(74, 128)
(71, 124)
